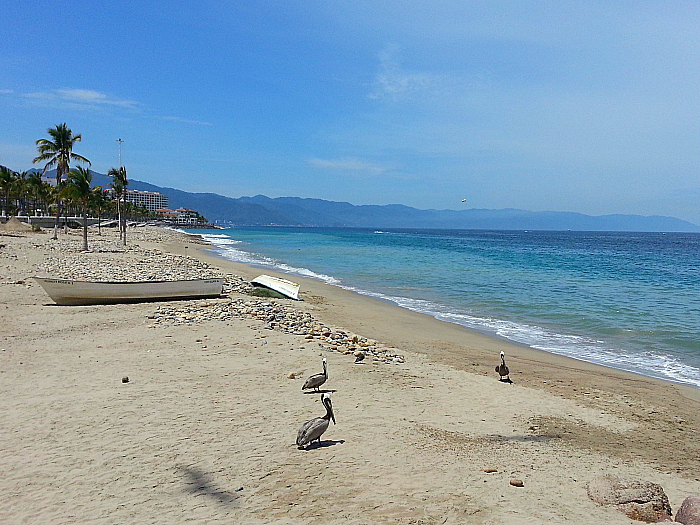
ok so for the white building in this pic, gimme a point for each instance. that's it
(186, 216)
(150, 200)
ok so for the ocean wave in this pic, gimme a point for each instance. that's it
(223, 248)
(220, 240)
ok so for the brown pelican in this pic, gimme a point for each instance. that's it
(313, 429)
(502, 369)
(316, 380)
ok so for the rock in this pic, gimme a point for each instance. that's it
(689, 512)
(125, 379)
(517, 482)
(639, 500)
(291, 375)
(490, 470)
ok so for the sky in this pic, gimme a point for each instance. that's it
(589, 107)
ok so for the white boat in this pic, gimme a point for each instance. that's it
(69, 292)
(283, 286)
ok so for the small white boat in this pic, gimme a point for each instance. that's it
(287, 288)
(68, 292)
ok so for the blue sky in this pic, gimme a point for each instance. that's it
(587, 106)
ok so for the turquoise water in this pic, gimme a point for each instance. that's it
(626, 300)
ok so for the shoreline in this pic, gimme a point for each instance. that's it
(376, 297)
(487, 340)
(204, 428)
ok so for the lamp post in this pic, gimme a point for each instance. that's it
(120, 142)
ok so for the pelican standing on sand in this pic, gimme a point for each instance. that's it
(313, 429)
(316, 380)
(502, 369)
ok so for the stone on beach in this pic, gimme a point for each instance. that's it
(639, 500)
(689, 511)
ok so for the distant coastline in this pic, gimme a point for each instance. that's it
(295, 211)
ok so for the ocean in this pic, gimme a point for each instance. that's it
(629, 301)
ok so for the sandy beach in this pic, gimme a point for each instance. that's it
(204, 430)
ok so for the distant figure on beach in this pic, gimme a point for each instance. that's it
(314, 429)
(316, 380)
(502, 369)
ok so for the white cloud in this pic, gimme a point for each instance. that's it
(187, 121)
(79, 98)
(394, 83)
(348, 164)
(6, 91)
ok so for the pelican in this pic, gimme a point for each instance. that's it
(313, 429)
(316, 380)
(502, 369)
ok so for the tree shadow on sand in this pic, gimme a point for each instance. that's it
(198, 482)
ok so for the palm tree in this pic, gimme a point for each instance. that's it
(99, 203)
(58, 152)
(21, 189)
(35, 185)
(119, 184)
(7, 180)
(77, 189)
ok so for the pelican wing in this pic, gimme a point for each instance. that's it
(314, 381)
(311, 430)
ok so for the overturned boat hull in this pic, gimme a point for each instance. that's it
(287, 288)
(69, 292)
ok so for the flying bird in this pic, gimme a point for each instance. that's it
(502, 369)
(316, 380)
(464, 200)
(314, 428)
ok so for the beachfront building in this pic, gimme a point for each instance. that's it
(168, 215)
(150, 200)
(187, 217)
(182, 217)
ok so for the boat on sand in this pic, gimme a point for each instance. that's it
(283, 286)
(70, 292)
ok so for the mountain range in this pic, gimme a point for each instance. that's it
(294, 211)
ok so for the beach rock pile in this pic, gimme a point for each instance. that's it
(639, 500)
(142, 265)
(275, 316)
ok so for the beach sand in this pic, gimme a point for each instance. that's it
(204, 430)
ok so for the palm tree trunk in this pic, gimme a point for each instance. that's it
(55, 224)
(85, 245)
(119, 219)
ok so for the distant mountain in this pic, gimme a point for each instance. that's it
(295, 211)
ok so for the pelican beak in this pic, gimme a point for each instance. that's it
(330, 409)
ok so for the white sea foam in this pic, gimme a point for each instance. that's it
(224, 244)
